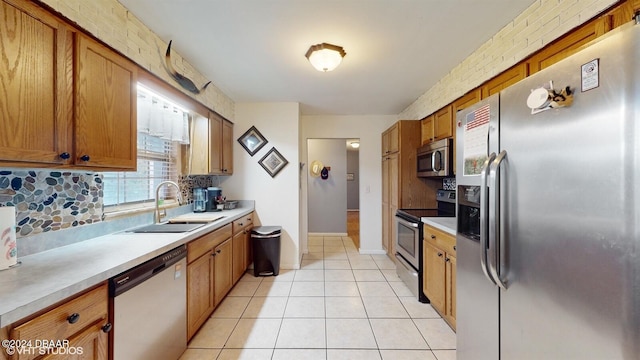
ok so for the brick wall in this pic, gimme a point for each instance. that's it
(543, 22)
(112, 23)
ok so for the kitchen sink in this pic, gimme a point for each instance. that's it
(169, 227)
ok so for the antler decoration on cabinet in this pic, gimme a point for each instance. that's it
(181, 79)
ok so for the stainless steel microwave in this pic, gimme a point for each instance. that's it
(436, 159)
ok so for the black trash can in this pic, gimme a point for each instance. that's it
(266, 250)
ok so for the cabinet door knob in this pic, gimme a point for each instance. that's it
(454, 247)
(214, 254)
(433, 236)
(241, 224)
(440, 254)
(447, 259)
(73, 318)
(218, 251)
(65, 156)
(85, 157)
(107, 327)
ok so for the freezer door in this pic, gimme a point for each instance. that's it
(476, 307)
(570, 217)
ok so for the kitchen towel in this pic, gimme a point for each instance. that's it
(8, 250)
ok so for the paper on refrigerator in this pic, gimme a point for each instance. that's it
(476, 140)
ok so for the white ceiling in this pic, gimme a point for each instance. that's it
(253, 50)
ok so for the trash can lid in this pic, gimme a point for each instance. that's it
(266, 230)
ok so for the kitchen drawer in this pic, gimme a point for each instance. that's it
(55, 324)
(205, 243)
(243, 222)
(441, 239)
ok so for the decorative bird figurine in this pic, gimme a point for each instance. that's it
(181, 79)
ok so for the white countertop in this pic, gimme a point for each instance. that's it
(446, 224)
(48, 277)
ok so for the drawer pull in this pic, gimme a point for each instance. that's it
(107, 327)
(73, 318)
(240, 224)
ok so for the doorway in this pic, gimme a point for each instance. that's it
(333, 188)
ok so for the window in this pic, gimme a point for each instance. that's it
(162, 127)
(157, 162)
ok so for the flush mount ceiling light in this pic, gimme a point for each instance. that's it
(325, 57)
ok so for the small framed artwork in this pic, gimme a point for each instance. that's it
(252, 140)
(273, 162)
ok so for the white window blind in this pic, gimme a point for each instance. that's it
(157, 162)
(162, 126)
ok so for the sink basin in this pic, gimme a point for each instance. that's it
(169, 227)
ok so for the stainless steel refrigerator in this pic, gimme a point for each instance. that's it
(548, 244)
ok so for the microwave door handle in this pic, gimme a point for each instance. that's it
(433, 161)
(495, 243)
(483, 216)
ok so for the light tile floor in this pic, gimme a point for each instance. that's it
(339, 305)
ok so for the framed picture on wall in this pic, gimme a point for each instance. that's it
(273, 162)
(252, 140)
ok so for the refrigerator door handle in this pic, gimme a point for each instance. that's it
(483, 216)
(494, 219)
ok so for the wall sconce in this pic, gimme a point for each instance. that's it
(325, 57)
(355, 144)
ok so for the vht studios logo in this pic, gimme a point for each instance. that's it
(40, 347)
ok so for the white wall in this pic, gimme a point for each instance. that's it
(328, 197)
(277, 199)
(369, 129)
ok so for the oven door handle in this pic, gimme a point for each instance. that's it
(407, 223)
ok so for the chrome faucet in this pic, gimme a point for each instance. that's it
(161, 213)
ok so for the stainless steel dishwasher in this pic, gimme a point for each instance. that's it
(149, 313)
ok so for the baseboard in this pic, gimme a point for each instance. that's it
(327, 234)
(373, 252)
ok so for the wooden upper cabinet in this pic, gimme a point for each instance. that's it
(568, 44)
(35, 85)
(220, 145)
(504, 80)
(196, 159)
(465, 101)
(427, 129)
(227, 147)
(105, 106)
(442, 124)
(391, 140)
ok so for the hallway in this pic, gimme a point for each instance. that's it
(340, 305)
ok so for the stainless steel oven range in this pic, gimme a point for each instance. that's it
(409, 236)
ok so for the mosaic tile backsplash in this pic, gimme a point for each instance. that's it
(189, 182)
(51, 200)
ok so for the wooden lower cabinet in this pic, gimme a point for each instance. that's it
(223, 270)
(208, 275)
(200, 295)
(434, 279)
(215, 262)
(439, 280)
(82, 322)
(242, 256)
